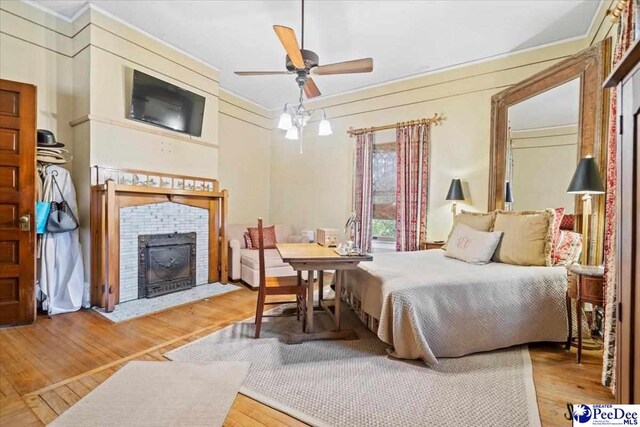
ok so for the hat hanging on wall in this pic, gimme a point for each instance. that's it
(46, 138)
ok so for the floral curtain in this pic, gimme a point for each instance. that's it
(626, 33)
(362, 199)
(411, 194)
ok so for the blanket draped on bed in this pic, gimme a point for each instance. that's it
(431, 306)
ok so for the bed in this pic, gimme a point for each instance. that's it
(427, 306)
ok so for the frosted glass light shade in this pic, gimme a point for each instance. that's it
(324, 128)
(285, 121)
(292, 133)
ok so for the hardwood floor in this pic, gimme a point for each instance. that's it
(47, 367)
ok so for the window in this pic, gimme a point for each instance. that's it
(384, 168)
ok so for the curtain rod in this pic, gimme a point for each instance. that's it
(436, 120)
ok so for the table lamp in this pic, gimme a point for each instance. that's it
(508, 196)
(454, 195)
(586, 181)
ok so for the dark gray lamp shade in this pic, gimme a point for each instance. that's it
(455, 190)
(586, 179)
(508, 194)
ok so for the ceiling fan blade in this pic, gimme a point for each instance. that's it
(364, 65)
(310, 88)
(262, 73)
(290, 43)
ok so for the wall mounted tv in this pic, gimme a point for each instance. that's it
(163, 104)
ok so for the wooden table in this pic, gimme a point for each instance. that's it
(312, 258)
(585, 285)
(429, 244)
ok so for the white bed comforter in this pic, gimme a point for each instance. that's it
(432, 306)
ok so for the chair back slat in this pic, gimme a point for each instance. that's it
(262, 269)
(277, 286)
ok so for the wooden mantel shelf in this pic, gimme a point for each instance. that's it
(106, 201)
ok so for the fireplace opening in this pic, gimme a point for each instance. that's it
(166, 263)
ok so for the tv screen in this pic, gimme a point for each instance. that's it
(165, 105)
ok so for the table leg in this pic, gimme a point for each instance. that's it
(570, 321)
(338, 299)
(310, 280)
(298, 305)
(320, 288)
(579, 326)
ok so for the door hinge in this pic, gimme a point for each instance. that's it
(620, 124)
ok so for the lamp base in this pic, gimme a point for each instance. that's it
(454, 212)
(586, 232)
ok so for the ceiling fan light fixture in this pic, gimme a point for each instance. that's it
(301, 119)
(292, 134)
(285, 122)
(324, 127)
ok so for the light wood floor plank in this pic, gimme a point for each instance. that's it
(46, 367)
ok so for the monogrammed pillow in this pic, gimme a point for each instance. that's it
(472, 246)
(476, 220)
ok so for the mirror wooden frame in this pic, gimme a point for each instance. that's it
(591, 66)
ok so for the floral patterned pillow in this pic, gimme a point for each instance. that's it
(269, 236)
(568, 248)
(567, 222)
(557, 221)
(247, 241)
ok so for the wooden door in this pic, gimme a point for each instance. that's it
(17, 202)
(628, 229)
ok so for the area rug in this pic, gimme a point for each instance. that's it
(160, 394)
(355, 383)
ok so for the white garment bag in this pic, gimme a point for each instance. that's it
(61, 269)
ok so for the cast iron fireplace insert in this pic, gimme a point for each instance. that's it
(166, 263)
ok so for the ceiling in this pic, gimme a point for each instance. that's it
(405, 38)
(556, 107)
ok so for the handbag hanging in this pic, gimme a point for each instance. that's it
(61, 218)
(42, 216)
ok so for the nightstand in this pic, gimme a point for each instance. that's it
(431, 245)
(586, 284)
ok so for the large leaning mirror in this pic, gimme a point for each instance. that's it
(540, 129)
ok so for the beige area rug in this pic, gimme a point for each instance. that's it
(355, 383)
(160, 394)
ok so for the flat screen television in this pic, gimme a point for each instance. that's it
(163, 104)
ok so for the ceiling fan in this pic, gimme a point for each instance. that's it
(302, 62)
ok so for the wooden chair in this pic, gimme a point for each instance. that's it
(289, 285)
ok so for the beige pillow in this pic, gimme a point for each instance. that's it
(477, 220)
(527, 237)
(472, 246)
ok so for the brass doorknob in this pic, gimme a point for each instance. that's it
(25, 222)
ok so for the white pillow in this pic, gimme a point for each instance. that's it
(471, 245)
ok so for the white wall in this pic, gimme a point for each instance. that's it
(543, 164)
(34, 49)
(314, 189)
(80, 70)
(245, 164)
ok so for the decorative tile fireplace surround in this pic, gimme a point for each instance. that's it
(159, 218)
(164, 239)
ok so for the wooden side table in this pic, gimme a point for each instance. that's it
(586, 284)
(431, 245)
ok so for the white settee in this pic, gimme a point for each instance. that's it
(243, 262)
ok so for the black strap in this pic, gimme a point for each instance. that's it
(53, 177)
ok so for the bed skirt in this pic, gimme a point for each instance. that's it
(367, 319)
